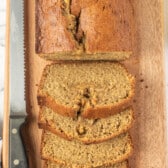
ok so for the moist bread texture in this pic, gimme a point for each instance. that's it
(88, 89)
(75, 154)
(49, 164)
(86, 130)
(87, 30)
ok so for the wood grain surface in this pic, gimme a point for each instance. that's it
(147, 64)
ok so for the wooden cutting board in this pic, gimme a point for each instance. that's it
(147, 64)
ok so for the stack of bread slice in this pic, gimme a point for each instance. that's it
(85, 114)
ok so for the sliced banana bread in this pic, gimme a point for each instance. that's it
(84, 29)
(86, 130)
(49, 164)
(89, 89)
(76, 154)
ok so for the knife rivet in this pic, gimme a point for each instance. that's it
(14, 131)
(16, 162)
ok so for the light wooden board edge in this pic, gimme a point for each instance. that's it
(164, 12)
(5, 136)
(165, 6)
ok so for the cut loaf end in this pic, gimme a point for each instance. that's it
(63, 56)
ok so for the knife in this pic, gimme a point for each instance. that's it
(17, 157)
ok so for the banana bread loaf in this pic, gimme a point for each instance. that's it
(88, 30)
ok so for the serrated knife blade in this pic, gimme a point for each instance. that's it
(17, 156)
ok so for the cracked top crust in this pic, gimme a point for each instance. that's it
(53, 27)
(78, 27)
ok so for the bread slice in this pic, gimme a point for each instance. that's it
(88, 89)
(49, 164)
(86, 130)
(84, 29)
(76, 154)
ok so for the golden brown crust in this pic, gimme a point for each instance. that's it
(46, 100)
(57, 132)
(90, 113)
(99, 112)
(52, 32)
(46, 126)
(108, 163)
(87, 142)
(107, 26)
(106, 111)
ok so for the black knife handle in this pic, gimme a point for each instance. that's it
(17, 156)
